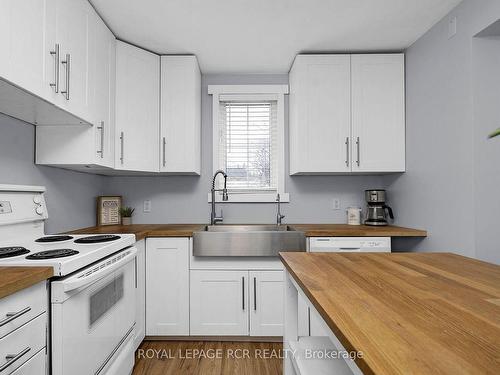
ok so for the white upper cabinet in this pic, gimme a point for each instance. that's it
(378, 113)
(86, 148)
(68, 28)
(137, 109)
(22, 30)
(103, 77)
(347, 114)
(320, 106)
(180, 132)
(28, 70)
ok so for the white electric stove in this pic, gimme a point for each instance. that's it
(92, 292)
(65, 253)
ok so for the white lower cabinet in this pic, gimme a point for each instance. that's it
(140, 292)
(266, 315)
(167, 286)
(219, 303)
(238, 303)
(36, 365)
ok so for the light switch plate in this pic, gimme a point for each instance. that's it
(147, 206)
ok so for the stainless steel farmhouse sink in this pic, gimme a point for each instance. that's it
(247, 240)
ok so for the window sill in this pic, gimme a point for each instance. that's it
(250, 198)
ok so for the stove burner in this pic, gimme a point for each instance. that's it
(97, 239)
(49, 254)
(12, 251)
(54, 239)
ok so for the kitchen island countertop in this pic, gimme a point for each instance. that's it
(408, 313)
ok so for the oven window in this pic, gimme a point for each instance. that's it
(105, 298)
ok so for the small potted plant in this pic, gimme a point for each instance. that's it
(495, 133)
(126, 214)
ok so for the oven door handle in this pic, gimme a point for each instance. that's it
(86, 278)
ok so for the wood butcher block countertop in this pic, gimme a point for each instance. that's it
(142, 231)
(14, 279)
(409, 313)
(311, 230)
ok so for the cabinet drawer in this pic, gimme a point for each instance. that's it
(23, 343)
(37, 365)
(25, 304)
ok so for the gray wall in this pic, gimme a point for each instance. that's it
(184, 199)
(451, 184)
(70, 195)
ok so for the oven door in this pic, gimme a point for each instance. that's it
(93, 310)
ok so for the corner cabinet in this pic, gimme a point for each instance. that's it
(137, 109)
(167, 286)
(347, 114)
(180, 127)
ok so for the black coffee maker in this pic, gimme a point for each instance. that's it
(377, 210)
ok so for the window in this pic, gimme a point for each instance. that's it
(248, 125)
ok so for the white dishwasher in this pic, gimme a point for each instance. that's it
(350, 244)
(308, 319)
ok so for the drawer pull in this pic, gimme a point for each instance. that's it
(13, 316)
(11, 358)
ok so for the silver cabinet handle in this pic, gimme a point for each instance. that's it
(164, 151)
(243, 292)
(55, 53)
(358, 161)
(11, 358)
(101, 129)
(255, 294)
(67, 62)
(14, 316)
(121, 147)
(347, 151)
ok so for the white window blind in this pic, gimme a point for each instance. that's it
(248, 149)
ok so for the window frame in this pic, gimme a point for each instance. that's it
(251, 92)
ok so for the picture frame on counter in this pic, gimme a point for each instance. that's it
(108, 210)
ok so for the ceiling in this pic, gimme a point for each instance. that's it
(263, 36)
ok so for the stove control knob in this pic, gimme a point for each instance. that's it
(37, 199)
(39, 210)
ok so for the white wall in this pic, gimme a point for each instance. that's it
(70, 196)
(183, 199)
(448, 188)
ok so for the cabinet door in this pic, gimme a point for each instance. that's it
(137, 109)
(320, 108)
(22, 26)
(378, 113)
(140, 292)
(219, 303)
(167, 286)
(102, 51)
(180, 141)
(266, 314)
(73, 18)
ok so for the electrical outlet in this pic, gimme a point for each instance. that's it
(452, 27)
(147, 206)
(336, 204)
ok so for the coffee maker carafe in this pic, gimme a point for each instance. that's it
(377, 210)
